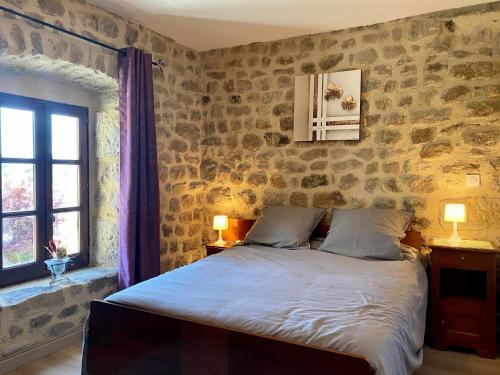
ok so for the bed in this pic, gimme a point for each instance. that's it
(255, 309)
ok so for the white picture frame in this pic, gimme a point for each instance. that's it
(319, 119)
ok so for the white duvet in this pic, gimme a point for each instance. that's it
(371, 308)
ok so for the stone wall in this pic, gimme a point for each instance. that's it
(38, 313)
(30, 317)
(225, 118)
(430, 115)
(25, 45)
(104, 175)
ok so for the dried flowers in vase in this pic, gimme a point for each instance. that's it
(58, 264)
(56, 249)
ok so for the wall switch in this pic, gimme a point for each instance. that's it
(473, 180)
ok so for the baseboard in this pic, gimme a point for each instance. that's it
(35, 353)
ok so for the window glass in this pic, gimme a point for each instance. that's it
(65, 186)
(16, 133)
(65, 138)
(43, 185)
(67, 230)
(18, 240)
(18, 193)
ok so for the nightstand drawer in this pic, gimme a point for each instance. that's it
(463, 260)
(461, 320)
(461, 324)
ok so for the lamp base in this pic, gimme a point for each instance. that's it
(454, 236)
(220, 241)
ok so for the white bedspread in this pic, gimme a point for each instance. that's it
(372, 308)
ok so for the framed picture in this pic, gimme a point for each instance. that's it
(327, 106)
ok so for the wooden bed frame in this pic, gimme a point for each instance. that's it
(126, 340)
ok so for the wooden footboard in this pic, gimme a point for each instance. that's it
(125, 340)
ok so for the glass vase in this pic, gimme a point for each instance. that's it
(57, 268)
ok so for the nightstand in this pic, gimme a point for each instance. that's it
(214, 249)
(463, 295)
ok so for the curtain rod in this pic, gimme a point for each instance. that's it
(73, 34)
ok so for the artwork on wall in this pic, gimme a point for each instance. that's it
(327, 106)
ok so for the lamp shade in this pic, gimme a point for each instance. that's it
(220, 222)
(454, 212)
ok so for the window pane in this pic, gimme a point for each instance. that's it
(18, 193)
(65, 186)
(17, 133)
(67, 230)
(65, 137)
(18, 241)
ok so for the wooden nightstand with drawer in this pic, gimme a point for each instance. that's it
(463, 295)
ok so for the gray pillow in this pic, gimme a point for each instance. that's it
(367, 233)
(284, 227)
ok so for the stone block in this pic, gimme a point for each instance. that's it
(40, 321)
(483, 107)
(481, 136)
(314, 180)
(484, 69)
(52, 7)
(432, 150)
(348, 181)
(257, 178)
(68, 311)
(384, 202)
(388, 136)
(456, 93)
(347, 165)
(329, 199)
(391, 52)
(298, 198)
(422, 135)
(366, 56)
(430, 115)
(314, 153)
(276, 139)
(330, 61)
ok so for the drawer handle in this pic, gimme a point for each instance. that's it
(462, 257)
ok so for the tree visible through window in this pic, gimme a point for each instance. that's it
(17, 234)
(44, 184)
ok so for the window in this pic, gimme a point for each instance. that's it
(43, 183)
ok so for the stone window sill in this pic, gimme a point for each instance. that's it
(33, 314)
(93, 278)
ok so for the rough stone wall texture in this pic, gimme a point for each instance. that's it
(430, 115)
(25, 45)
(104, 183)
(38, 313)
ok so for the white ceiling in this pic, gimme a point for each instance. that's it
(207, 24)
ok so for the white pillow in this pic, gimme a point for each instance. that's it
(284, 226)
(367, 233)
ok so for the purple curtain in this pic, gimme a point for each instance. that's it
(139, 255)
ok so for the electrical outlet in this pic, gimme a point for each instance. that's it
(473, 180)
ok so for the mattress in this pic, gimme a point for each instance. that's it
(372, 308)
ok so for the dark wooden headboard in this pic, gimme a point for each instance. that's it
(238, 228)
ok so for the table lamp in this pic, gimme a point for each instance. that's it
(455, 213)
(220, 224)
